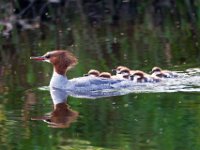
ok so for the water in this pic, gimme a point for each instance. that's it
(149, 116)
(159, 116)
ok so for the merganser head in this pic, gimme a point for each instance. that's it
(137, 75)
(118, 69)
(105, 75)
(62, 60)
(156, 69)
(124, 72)
(92, 72)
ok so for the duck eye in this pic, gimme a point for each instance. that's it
(131, 77)
(48, 56)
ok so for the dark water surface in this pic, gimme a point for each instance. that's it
(163, 120)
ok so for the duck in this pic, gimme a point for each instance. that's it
(105, 75)
(122, 72)
(62, 61)
(118, 69)
(93, 73)
(142, 77)
(125, 73)
(96, 73)
(158, 72)
(61, 86)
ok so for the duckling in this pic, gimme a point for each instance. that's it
(157, 71)
(141, 77)
(124, 73)
(93, 73)
(118, 69)
(105, 75)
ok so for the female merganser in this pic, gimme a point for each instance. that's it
(141, 77)
(157, 71)
(93, 72)
(60, 86)
(62, 61)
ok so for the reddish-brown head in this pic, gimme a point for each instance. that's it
(118, 69)
(124, 71)
(105, 75)
(62, 60)
(93, 72)
(139, 73)
(156, 69)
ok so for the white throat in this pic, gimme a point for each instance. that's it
(58, 81)
(58, 85)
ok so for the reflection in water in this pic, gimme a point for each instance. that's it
(61, 117)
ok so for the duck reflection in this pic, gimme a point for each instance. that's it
(61, 116)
